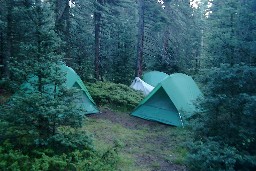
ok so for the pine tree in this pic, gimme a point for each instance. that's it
(36, 112)
(224, 130)
(118, 42)
(230, 33)
(172, 36)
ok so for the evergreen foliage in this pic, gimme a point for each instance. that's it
(174, 45)
(117, 41)
(48, 160)
(81, 39)
(230, 33)
(40, 123)
(31, 118)
(224, 129)
(117, 96)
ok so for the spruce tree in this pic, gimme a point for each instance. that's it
(224, 130)
(43, 104)
(230, 33)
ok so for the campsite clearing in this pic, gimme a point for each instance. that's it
(146, 145)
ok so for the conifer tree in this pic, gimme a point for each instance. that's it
(224, 126)
(43, 104)
(230, 33)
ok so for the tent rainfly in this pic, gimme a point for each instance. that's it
(170, 100)
(140, 85)
(72, 80)
(154, 77)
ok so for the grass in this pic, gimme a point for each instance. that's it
(106, 133)
(144, 147)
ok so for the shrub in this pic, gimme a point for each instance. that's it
(114, 95)
(211, 155)
(13, 159)
(69, 139)
(47, 160)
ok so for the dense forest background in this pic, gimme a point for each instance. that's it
(115, 40)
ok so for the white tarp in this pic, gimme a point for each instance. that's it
(139, 84)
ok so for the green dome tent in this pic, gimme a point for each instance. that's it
(170, 100)
(85, 99)
(154, 77)
(72, 80)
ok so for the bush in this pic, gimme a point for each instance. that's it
(69, 139)
(46, 160)
(114, 95)
(211, 155)
(13, 160)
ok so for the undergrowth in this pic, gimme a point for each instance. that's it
(115, 96)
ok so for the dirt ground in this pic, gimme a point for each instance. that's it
(153, 146)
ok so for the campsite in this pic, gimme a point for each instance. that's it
(146, 145)
(127, 85)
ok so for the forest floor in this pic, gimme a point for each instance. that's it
(146, 145)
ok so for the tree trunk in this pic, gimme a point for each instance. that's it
(39, 50)
(9, 41)
(165, 44)
(67, 33)
(97, 18)
(1, 54)
(140, 41)
(62, 26)
(166, 35)
(232, 35)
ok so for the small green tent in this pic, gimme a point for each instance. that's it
(170, 100)
(85, 99)
(154, 77)
(72, 80)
